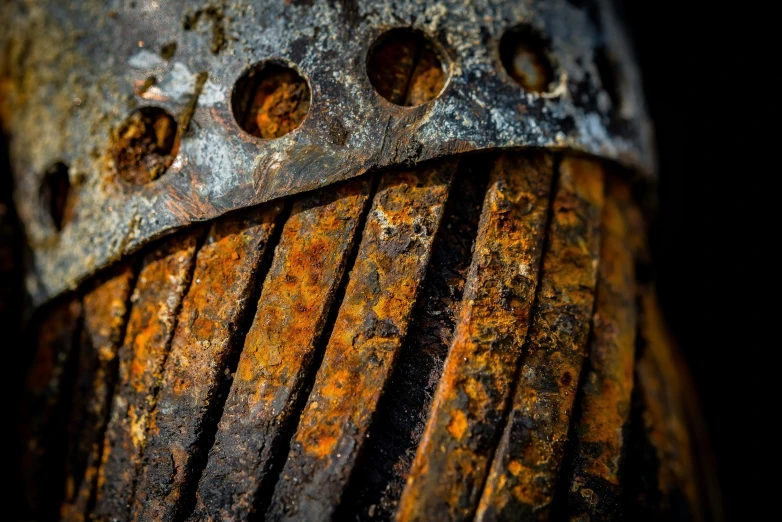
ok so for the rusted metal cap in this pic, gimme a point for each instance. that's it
(164, 89)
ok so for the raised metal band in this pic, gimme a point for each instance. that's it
(71, 74)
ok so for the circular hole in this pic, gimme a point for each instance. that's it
(270, 100)
(55, 194)
(523, 54)
(405, 68)
(144, 146)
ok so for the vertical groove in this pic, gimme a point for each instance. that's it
(208, 439)
(291, 310)
(463, 428)
(377, 482)
(164, 278)
(211, 314)
(593, 489)
(368, 332)
(527, 461)
(264, 496)
(106, 310)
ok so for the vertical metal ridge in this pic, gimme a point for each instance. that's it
(378, 479)
(105, 316)
(465, 422)
(526, 464)
(591, 485)
(208, 325)
(369, 329)
(280, 350)
(163, 280)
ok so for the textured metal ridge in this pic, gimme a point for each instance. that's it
(72, 72)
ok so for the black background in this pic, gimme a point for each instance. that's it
(687, 62)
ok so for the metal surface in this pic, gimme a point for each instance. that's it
(418, 350)
(72, 72)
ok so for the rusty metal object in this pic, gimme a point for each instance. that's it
(345, 358)
(85, 67)
(162, 281)
(105, 315)
(525, 469)
(208, 328)
(456, 449)
(368, 332)
(267, 391)
(359, 321)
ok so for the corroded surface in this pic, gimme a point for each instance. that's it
(208, 328)
(594, 488)
(452, 460)
(83, 67)
(369, 329)
(379, 478)
(261, 409)
(346, 357)
(161, 285)
(105, 314)
(526, 464)
(44, 408)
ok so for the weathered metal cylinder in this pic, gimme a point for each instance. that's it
(340, 261)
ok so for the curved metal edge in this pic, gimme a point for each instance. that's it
(71, 72)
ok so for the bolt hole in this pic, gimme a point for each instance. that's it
(55, 194)
(270, 100)
(145, 145)
(607, 69)
(524, 55)
(405, 68)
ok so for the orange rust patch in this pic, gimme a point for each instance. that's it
(208, 327)
(161, 284)
(528, 458)
(297, 295)
(447, 471)
(458, 425)
(594, 488)
(367, 335)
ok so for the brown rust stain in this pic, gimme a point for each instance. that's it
(378, 479)
(207, 331)
(451, 463)
(368, 332)
(163, 279)
(279, 103)
(144, 146)
(105, 314)
(595, 489)
(261, 408)
(404, 68)
(527, 462)
(43, 406)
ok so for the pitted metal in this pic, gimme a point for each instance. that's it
(71, 72)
